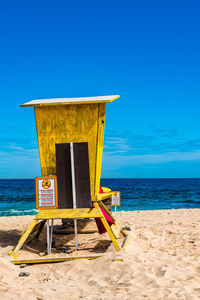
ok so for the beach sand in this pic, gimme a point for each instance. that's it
(162, 261)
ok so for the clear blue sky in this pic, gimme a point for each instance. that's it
(146, 51)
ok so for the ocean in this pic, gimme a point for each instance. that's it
(17, 196)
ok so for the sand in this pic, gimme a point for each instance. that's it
(162, 261)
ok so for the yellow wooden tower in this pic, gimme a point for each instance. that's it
(71, 120)
(64, 120)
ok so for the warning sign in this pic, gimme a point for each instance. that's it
(115, 201)
(46, 192)
(46, 184)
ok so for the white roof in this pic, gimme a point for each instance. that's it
(82, 100)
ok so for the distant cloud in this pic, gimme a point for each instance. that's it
(189, 144)
(117, 145)
(145, 159)
(128, 143)
(18, 153)
(17, 144)
(163, 145)
(166, 132)
(19, 163)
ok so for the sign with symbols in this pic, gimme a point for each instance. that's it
(115, 200)
(46, 192)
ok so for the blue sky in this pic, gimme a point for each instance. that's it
(146, 51)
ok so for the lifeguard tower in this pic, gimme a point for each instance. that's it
(66, 120)
(70, 121)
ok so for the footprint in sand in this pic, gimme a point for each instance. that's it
(160, 273)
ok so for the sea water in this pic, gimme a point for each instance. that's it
(17, 196)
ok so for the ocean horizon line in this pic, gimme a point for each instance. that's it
(17, 196)
(121, 178)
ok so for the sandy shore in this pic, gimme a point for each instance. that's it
(162, 261)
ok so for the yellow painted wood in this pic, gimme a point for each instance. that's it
(16, 256)
(100, 138)
(123, 232)
(58, 259)
(79, 213)
(23, 238)
(110, 233)
(29, 239)
(126, 242)
(116, 228)
(106, 210)
(100, 197)
(105, 189)
(69, 231)
(72, 214)
(108, 229)
(51, 260)
(71, 123)
(38, 227)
